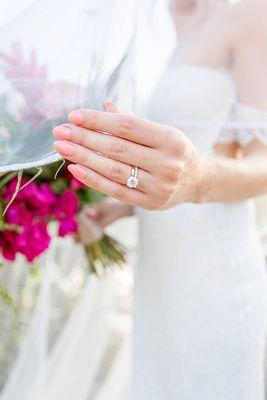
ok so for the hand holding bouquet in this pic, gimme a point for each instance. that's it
(32, 203)
(24, 228)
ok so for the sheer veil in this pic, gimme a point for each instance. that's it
(54, 58)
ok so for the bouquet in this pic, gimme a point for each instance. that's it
(24, 225)
(31, 200)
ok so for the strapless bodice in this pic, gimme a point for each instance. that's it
(200, 282)
(196, 99)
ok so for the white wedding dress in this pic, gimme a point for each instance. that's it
(201, 294)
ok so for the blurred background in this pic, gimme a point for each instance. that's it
(60, 323)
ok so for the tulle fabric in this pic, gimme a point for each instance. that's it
(95, 338)
(55, 58)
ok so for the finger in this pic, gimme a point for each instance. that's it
(92, 212)
(111, 169)
(120, 192)
(76, 238)
(113, 147)
(122, 125)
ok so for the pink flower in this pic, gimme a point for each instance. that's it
(33, 240)
(10, 189)
(27, 77)
(8, 244)
(17, 67)
(46, 199)
(75, 184)
(59, 98)
(65, 211)
(67, 205)
(67, 226)
(31, 210)
(18, 214)
(39, 200)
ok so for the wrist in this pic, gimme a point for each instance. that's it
(202, 182)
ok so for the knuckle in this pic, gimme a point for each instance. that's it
(179, 145)
(173, 171)
(169, 135)
(116, 173)
(126, 124)
(117, 147)
(175, 141)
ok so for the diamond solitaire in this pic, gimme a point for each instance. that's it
(132, 182)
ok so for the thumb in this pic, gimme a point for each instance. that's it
(92, 212)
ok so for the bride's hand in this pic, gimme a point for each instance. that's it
(169, 165)
(92, 220)
(107, 212)
(89, 230)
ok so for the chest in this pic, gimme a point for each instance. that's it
(196, 99)
(205, 45)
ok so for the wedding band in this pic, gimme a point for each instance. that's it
(133, 181)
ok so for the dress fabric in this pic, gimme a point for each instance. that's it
(200, 303)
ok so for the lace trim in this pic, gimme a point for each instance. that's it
(243, 136)
(244, 125)
(251, 124)
(246, 136)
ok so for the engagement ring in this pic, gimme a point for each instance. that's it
(132, 182)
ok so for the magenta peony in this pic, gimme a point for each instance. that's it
(33, 240)
(67, 205)
(31, 210)
(67, 227)
(39, 200)
(66, 209)
(18, 214)
(75, 184)
(8, 245)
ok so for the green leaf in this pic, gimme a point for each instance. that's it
(59, 186)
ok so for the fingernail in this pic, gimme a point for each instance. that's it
(62, 132)
(76, 117)
(91, 212)
(67, 149)
(107, 104)
(78, 171)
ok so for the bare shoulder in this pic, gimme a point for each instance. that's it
(249, 17)
(249, 50)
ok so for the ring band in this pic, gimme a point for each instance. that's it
(133, 181)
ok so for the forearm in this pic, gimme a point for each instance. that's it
(230, 180)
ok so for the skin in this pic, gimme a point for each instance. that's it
(171, 170)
